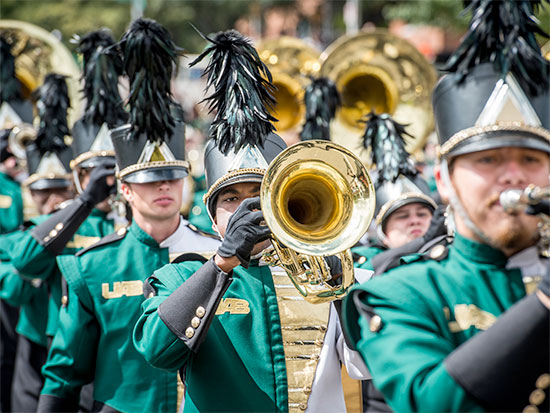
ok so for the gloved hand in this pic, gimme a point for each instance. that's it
(437, 225)
(244, 231)
(98, 189)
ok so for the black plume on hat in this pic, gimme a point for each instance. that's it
(322, 100)
(102, 68)
(503, 32)
(149, 56)
(385, 138)
(242, 92)
(52, 102)
(10, 87)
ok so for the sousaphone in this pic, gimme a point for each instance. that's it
(385, 73)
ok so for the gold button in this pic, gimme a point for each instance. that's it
(375, 323)
(323, 328)
(59, 226)
(196, 210)
(53, 233)
(437, 251)
(46, 238)
(530, 409)
(307, 390)
(315, 357)
(537, 397)
(195, 322)
(190, 332)
(362, 260)
(303, 406)
(200, 312)
(319, 343)
(64, 300)
(151, 295)
(543, 381)
(121, 231)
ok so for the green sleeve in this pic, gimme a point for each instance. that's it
(72, 356)
(13, 289)
(152, 338)
(406, 355)
(30, 258)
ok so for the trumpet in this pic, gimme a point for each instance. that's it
(318, 200)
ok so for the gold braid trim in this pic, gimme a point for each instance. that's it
(230, 175)
(407, 195)
(150, 165)
(36, 177)
(464, 134)
(89, 155)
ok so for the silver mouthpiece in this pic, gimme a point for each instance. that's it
(513, 200)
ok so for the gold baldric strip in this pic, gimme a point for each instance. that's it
(303, 327)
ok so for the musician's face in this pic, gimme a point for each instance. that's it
(407, 223)
(479, 178)
(229, 200)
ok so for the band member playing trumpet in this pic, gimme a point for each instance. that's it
(233, 323)
(457, 329)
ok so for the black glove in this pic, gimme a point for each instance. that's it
(437, 225)
(544, 284)
(98, 189)
(244, 231)
(543, 207)
(4, 146)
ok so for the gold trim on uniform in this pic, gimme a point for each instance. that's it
(461, 136)
(233, 306)
(89, 155)
(81, 241)
(230, 175)
(5, 201)
(122, 288)
(303, 328)
(150, 165)
(469, 315)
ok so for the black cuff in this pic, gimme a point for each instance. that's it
(49, 403)
(499, 367)
(189, 310)
(54, 233)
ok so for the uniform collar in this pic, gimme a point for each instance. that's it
(142, 236)
(478, 252)
(173, 240)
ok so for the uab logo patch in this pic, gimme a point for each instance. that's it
(122, 288)
(233, 306)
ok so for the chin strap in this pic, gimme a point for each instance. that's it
(457, 207)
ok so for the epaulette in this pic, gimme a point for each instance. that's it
(115, 236)
(189, 256)
(203, 233)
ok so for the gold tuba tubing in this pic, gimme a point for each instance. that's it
(382, 72)
(318, 200)
(291, 61)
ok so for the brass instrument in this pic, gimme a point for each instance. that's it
(18, 139)
(37, 53)
(290, 61)
(318, 200)
(382, 72)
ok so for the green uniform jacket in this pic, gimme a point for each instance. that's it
(11, 204)
(428, 309)
(30, 295)
(105, 295)
(232, 371)
(366, 255)
(33, 261)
